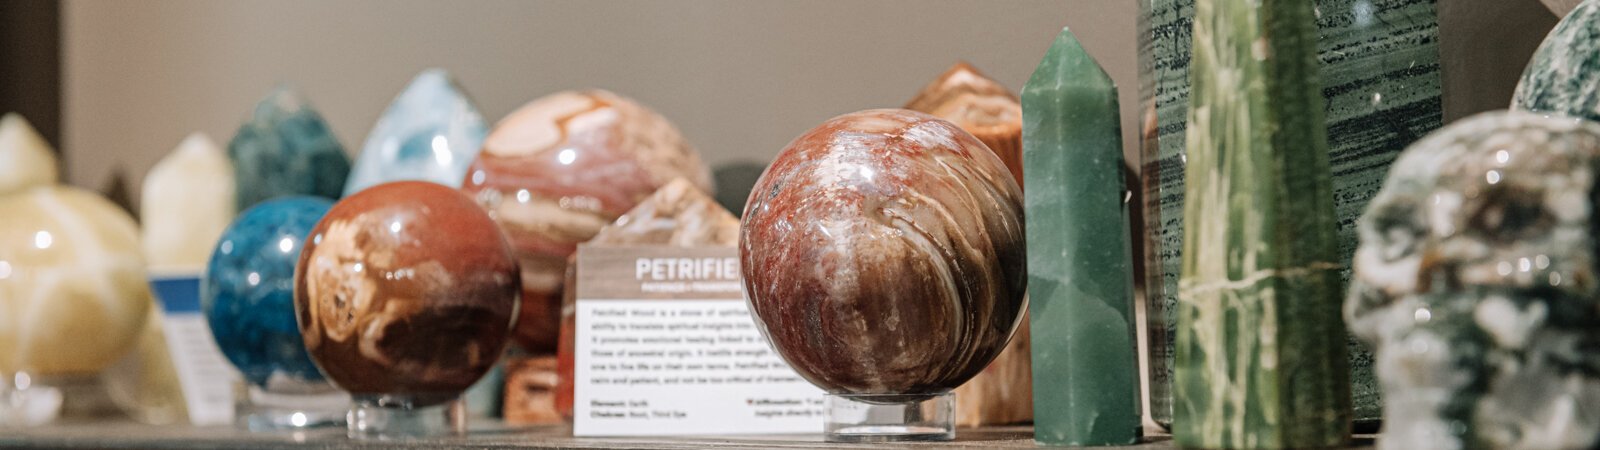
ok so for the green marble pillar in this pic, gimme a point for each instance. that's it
(1261, 358)
(1080, 263)
(1380, 79)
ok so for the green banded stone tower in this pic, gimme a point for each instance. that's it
(1080, 261)
(1381, 81)
(1261, 345)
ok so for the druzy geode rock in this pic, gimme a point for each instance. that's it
(1476, 281)
(557, 170)
(406, 289)
(286, 149)
(431, 132)
(882, 253)
(1564, 75)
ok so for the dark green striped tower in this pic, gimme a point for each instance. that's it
(1261, 346)
(1380, 79)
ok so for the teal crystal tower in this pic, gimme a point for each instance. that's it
(431, 132)
(1381, 83)
(1564, 76)
(1080, 260)
(286, 149)
(1261, 347)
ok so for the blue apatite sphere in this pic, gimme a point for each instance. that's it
(248, 292)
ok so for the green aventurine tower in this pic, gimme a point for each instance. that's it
(1080, 262)
(1261, 351)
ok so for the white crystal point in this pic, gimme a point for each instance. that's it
(1561, 7)
(186, 204)
(26, 160)
(431, 132)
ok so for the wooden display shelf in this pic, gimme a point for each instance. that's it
(123, 434)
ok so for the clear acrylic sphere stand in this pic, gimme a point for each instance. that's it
(289, 404)
(890, 418)
(27, 401)
(392, 417)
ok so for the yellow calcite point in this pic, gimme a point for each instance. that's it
(145, 383)
(73, 294)
(26, 160)
(187, 203)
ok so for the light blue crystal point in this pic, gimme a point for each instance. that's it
(431, 132)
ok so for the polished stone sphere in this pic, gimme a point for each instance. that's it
(556, 170)
(73, 292)
(883, 253)
(406, 289)
(248, 290)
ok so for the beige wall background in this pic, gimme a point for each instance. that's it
(741, 78)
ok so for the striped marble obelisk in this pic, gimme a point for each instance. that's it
(1380, 79)
(1261, 358)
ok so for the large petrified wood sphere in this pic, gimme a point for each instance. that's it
(557, 170)
(406, 288)
(1003, 392)
(883, 254)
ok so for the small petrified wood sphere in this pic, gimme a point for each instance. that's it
(883, 254)
(406, 288)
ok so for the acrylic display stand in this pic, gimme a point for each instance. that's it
(387, 417)
(890, 418)
(318, 405)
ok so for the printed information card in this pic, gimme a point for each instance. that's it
(665, 345)
(206, 377)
